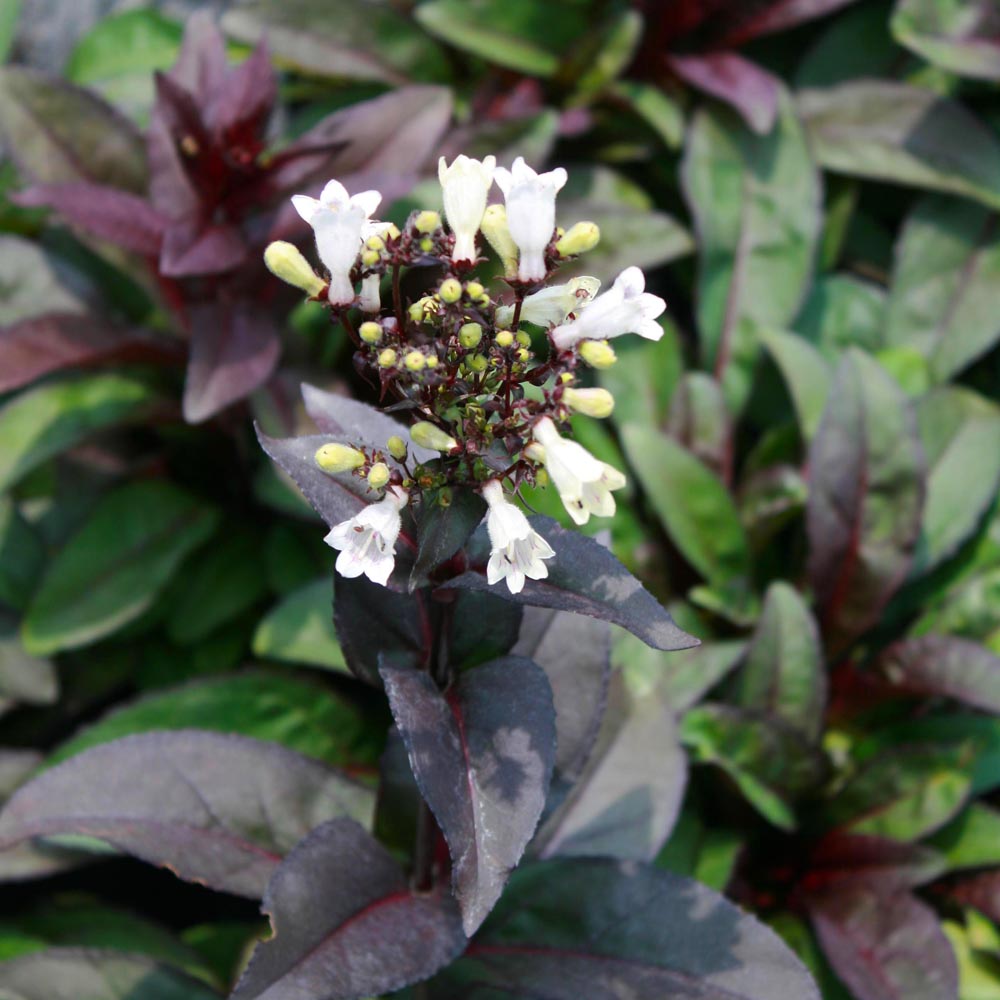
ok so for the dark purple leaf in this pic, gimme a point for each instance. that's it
(626, 801)
(752, 91)
(374, 621)
(107, 213)
(885, 945)
(201, 65)
(980, 891)
(777, 15)
(214, 808)
(606, 930)
(346, 923)
(189, 248)
(60, 134)
(54, 341)
(442, 531)
(234, 348)
(866, 493)
(575, 653)
(482, 754)
(873, 860)
(585, 578)
(483, 627)
(97, 974)
(243, 101)
(944, 665)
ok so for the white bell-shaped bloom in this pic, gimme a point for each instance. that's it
(551, 305)
(367, 541)
(465, 185)
(340, 222)
(624, 308)
(517, 551)
(584, 483)
(531, 213)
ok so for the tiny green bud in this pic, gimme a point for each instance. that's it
(474, 289)
(370, 257)
(483, 300)
(428, 435)
(450, 290)
(286, 262)
(427, 222)
(524, 339)
(378, 475)
(566, 378)
(426, 244)
(370, 333)
(444, 496)
(523, 354)
(375, 243)
(416, 311)
(478, 363)
(590, 402)
(414, 361)
(397, 447)
(335, 457)
(598, 353)
(582, 237)
(541, 478)
(497, 232)
(469, 335)
(393, 231)
(504, 338)
(432, 361)
(387, 358)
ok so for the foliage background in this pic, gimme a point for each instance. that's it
(813, 446)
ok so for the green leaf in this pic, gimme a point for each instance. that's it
(297, 714)
(22, 555)
(756, 205)
(31, 285)
(9, 13)
(644, 377)
(661, 112)
(23, 678)
(695, 508)
(115, 566)
(971, 840)
(942, 298)
(52, 417)
(300, 629)
(978, 973)
(843, 311)
(806, 373)
(855, 44)
(907, 135)
(957, 35)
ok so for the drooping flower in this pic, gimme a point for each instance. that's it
(584, 483)
(340, 222)
(517, 551)
(531, 213)
(624, 308)
(367, 541)
(551, 305)
(465, 185)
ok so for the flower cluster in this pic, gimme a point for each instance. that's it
(487, 377)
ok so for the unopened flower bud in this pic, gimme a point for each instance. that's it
(378, 475)
(524, 339)
(286, 262)
(375, 243)
(427, 222)
(414, 361)
(474, 289)
(426, 244)
(566, 378)
(598, 353)
(469, 335)
(370, 257)
(428, 435)
(432, 361)
(541, 478)
(590, 402)
(387, 358)
(335, 457)
(369, 332)
(504, 338)
(582, 237)
(477, 363)
(450, 290)
(494, 227)
(393, 231)
(523, 354)
(396, 447)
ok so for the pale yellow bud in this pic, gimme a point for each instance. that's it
(335, 457)
(286, 262)
(428, 435)
(474, 289)
(378, 475)
(504, 338)
(524, 339)
(387, 358)
(432, 361)
(523, 354)
(393, 231)
(427, 222)
(597, 403)
(582, 237)
(450, 290)
(469, 335)
(414, 361)
(370, 333)
(370, 257)
(598, 353)
(494, 227)
(477, 363)
(375, 243)
(396, 447)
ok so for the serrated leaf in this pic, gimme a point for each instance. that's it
(300, 629)
(214, 808)
(115, 566)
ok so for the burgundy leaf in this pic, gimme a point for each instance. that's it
(194, 249)
(482, 755)
(214, 808)
(234, 348)
(980, 891)
(54, 341)
(885, 945)
(945, 665)
(243, 101)
(873, 860)
(752, 91)
(779, 15)
(107, 213)
(346, 923)
(201, 65)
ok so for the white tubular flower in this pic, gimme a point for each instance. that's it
(367, 541)
(516, 549)
(531, 213)
(623, 308)
(465, 185)
(583, 482)
(340, 222)
(371, 296)
(551, 305)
